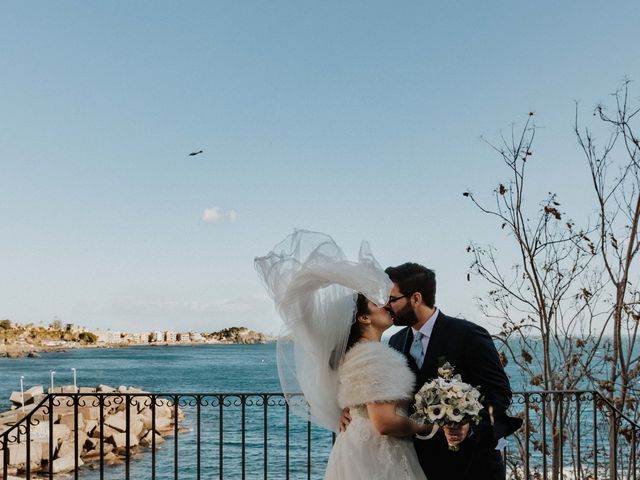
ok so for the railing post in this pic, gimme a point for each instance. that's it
(221, 433)
(634, 442)
(595, 436)
(560, 456)
(613, 446)
(51, 436)
(198, 406)
(76, 450)
(153, 437)
(527, 468)
(579, 436)
(543, 398)
(243, 406)
(127, 429)
(265, 441)
(287, 439)
(175, 432)
(28, 465)
(5, 457)
(101, 400)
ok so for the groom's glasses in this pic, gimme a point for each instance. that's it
(395, 299)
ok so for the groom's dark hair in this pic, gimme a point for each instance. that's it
(413, 277)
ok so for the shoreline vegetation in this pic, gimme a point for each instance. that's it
(30, 340)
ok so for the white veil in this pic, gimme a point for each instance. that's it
(314, 289)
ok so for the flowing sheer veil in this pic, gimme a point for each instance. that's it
(314, 289)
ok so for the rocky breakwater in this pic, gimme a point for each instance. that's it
(114, 429)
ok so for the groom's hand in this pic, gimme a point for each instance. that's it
(456, 435)
(345, 420)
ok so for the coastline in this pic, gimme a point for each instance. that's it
(17, 341)
(22, 350)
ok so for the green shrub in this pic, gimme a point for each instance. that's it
(88, 337)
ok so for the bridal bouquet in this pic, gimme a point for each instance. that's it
(446, 401)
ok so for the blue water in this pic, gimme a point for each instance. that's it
(203, 368)
(190, 369)
(197, 369)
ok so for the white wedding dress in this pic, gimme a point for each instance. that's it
(373, 372)
(314, 288)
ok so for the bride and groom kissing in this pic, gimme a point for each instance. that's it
(335, 312)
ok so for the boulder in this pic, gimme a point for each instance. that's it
(94, 453)
(89, 412)
(16, 398)
(136, 425)
(68, 445)
(8, 418)
(117, 421)
(65, 464)
(146, 439)
(35, 390)
(117, 439)
(60, 432)
(18, 454)
(163, 423)
(90, 426)
(68, 419)
(112, 459)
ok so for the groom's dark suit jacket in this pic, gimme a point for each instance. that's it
(470, 349)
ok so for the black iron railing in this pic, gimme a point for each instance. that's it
(230, 435)
(572, 435)
(566, 434)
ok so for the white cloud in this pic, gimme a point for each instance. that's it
(218, 215)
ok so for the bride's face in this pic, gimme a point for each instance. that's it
(380, 317)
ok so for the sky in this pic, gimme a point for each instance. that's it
(358, 119)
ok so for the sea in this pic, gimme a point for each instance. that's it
(195, 369)
(191, 369)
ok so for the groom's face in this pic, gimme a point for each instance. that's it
(400, 308)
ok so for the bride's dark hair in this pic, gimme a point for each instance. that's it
(362, 308)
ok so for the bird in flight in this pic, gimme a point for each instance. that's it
(193, 154)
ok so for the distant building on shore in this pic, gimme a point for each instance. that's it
(170, 336)
(108, 336)
(196, 337)
(157, 336)
(136, 337)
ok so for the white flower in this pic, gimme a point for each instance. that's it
(473, 408)
(446, 370)
(457, 390)
(447, 401)
(454, 414)
(435, 412)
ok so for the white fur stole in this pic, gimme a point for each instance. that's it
(374, 372)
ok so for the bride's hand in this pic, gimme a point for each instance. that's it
(345, 419)
(456, 435)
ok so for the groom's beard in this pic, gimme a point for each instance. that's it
(405, 317)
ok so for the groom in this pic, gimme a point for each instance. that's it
(432, 338)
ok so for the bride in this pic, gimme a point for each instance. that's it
(329, 349)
